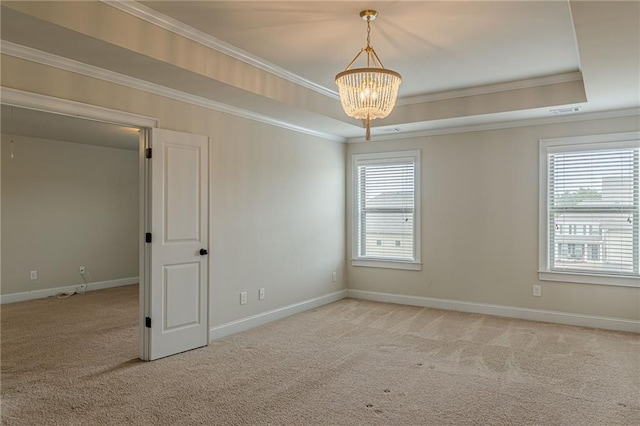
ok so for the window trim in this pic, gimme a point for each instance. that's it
(356, 260)
(576, 143)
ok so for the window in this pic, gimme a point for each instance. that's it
(590, 187)
(386, 198)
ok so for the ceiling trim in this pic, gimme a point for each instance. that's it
(166, 22)
(163, 21)
(499, 125)
(492, 88)
(37, 101)
(49, 59)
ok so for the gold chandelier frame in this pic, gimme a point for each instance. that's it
(370, 92)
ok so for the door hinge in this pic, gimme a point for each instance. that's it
(147, 153)
(147, 237)
(147, 322)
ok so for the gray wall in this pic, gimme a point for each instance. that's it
(65, 205)
(277, 197)
(480, 223)
(277, 217)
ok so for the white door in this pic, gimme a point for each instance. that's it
(176, 318)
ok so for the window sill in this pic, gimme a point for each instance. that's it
(389, 264)
(574, 277)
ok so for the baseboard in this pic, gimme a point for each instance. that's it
(247, 323)
(48, 292)
(618, 324)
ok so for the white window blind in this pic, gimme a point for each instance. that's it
(593, 208)
(385, 207)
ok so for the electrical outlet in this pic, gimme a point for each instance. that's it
(537, 290)
(243, 298)
(334, 277)
(82, 269)
(261, 294)
(33, 275)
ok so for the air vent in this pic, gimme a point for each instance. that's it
(564, 110)
(388, 130)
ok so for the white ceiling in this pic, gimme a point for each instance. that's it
(436, 46)
(463, 62)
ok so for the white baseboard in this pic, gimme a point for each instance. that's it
(48, 292)
(619, 324)
(247, 323)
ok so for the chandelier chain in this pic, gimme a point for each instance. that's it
(368, 41)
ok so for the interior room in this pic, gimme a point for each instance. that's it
(84, 175)
(452, 239)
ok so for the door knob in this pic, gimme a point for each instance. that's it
(203, 252)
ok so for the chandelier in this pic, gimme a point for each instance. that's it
(371, 92)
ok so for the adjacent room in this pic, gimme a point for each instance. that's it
(209, 215)
(82, 176)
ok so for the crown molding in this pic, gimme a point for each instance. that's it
(166, 22)
(45, 58)
(37, 101)
(34, 55)
(498, 125)
(492, 88)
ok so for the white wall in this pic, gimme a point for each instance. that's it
(65, 205)
(480, 223)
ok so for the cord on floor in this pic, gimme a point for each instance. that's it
(81, 289)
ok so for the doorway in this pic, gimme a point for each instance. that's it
(173, 224)
(70, 214)
(85, 119)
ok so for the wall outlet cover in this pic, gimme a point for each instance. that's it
(537, 290)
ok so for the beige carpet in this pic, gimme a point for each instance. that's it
(74, 362)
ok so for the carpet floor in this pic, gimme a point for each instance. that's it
(74, 362)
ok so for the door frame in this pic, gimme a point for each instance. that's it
(36, 101)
